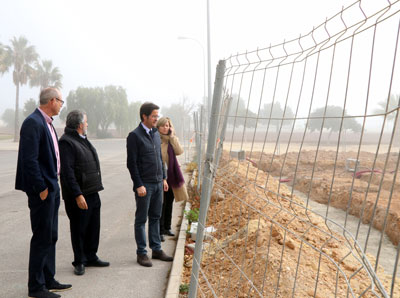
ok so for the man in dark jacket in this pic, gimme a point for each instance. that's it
(80, 183)
(147, 171)
(37, 175)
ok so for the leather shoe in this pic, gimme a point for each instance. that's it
(55, 286)
(79, 269)
(43, 294)
(169, 233)
(144, 260)
(161, 255)
(97, 263)
(162, 238)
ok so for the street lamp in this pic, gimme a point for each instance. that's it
(204, 64)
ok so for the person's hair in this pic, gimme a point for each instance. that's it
(75, 118)
(162, 121)
(147, 108)
(47, 94)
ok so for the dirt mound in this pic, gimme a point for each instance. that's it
(325, 178)
(268, 244)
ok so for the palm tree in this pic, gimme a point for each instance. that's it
(30, 106)
(394, 103)
(21, 56)
(45, 75)
(2, 56)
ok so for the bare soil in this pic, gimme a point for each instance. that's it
(268, 244)
(367, 196)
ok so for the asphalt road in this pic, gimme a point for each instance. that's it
(124, 278)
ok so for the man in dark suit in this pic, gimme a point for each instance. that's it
(149, 181)
(81, 183)
(37, 175)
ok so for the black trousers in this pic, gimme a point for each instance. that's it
(42, 254)
(166, 215)
(85, 228)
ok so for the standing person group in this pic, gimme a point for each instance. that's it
(170, 148)
(42, 159)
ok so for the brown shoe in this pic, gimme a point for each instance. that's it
(160, 255)
(144, 260)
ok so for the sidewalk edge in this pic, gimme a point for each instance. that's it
(177, 266)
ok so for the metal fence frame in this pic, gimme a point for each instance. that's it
(290, 54)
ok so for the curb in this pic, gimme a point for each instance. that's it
(177, 266)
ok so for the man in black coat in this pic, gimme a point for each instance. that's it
(147, 171)
(37, 175)
(81, 183)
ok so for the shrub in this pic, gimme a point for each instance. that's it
(192, 215)
(184, 288)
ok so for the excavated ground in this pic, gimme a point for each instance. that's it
(269, 245)
(359, 195)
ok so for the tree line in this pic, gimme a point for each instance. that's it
(106, 107)
(328, 118)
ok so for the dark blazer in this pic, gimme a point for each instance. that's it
(37, 162)
(144, 159)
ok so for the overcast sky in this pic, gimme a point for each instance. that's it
(134, 43)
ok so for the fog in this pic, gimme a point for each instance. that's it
(134, 44)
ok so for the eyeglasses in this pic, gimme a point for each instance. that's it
(155, 117)
(60, 100)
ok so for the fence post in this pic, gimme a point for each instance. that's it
(201, 145)
(222, 135)
(188, 135)
(208, 176)
(198, 155)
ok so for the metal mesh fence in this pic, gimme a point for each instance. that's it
(300, 185)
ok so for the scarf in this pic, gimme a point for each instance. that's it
(174, 173)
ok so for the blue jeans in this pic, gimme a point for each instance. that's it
(148, 206)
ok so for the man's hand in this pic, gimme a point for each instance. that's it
(165, 185)
(43, 195)
(141, 191)
(80, 200)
